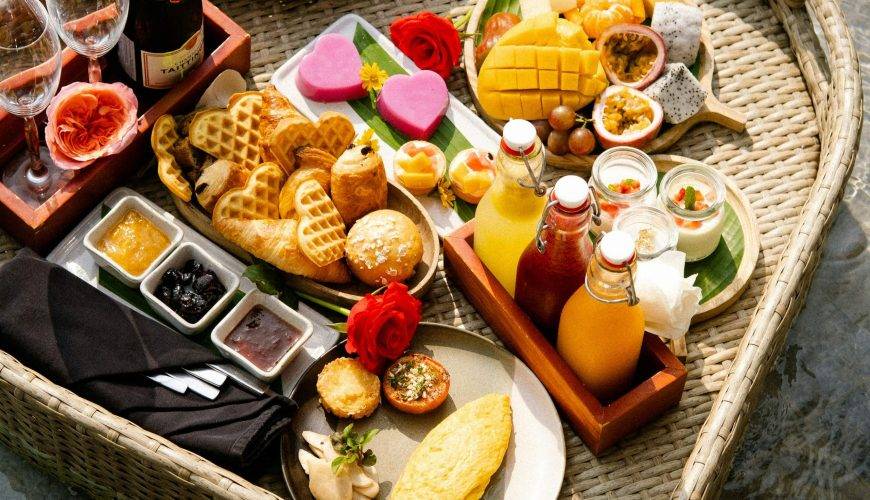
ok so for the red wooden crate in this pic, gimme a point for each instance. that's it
(660, 376)
(228, 46)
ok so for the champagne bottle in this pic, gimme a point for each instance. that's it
(162, 42)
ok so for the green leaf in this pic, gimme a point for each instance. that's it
(339, 327)
(464, 209)
(369, 458)
(494, 7)
(271, 281)
(368, 436)
(338, 462)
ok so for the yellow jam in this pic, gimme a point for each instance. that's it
(133, 243)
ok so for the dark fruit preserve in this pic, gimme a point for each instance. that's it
(262, 338)
(190, 290)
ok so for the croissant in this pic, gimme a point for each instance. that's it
(275, 108)
(275, 241)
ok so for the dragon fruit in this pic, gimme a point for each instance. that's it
(680, 26)
(678, 91)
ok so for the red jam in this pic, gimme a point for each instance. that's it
(262, 338)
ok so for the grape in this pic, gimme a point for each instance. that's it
(543, 128)
(581, 141)
(561, 118)
(557, 143)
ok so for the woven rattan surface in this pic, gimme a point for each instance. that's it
(791, 162)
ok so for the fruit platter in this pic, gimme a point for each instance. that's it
(656, 58)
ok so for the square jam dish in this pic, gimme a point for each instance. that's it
(161, 220)
(302, 326)
(182, 254)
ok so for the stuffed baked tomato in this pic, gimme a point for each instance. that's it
(416, 384)
(623, 116)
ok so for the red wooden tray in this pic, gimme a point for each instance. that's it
(660, 376)
(228, 46)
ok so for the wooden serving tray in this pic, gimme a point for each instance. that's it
(398, 199)
(712, 111)
(228, 46)
(660, 376)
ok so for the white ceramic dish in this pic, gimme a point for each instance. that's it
(71, 254)
(182, 254)
(478, 133)
(162, 220)
(235, 316)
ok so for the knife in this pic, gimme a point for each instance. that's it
(170, 383)
(240, 376)
(196, 385)
(209, 375)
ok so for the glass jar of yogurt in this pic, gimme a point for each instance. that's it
(654, 231)
(694, 194)
(622, 177)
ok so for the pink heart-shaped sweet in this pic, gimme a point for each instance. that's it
(331, 71)
(414, 104)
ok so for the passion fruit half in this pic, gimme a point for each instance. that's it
(623, 116)
(632, 55)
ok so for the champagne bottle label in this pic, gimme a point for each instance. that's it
(161, 70)
(127, 55)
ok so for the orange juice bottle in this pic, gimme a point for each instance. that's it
(507, 216)
(601, 327)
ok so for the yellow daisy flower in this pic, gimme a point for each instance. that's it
(368, 138)
(372, 76)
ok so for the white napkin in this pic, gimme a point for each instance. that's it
(218, 94)
(668, 299)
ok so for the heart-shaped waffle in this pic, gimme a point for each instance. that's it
(164, 135)
(257, 200)
(231, 134)
(321, 231)
(332, 132)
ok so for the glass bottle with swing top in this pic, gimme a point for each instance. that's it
(553, 266)
(507, 216)
(601, 327)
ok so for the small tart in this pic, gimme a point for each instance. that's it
(347, 390)
(416, 384)
(418, 165)
(471, 174)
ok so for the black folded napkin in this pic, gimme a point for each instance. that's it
(79, 338)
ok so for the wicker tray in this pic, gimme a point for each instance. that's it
(804, 110)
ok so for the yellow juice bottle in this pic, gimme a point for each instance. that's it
(507, 216)
(601, 330)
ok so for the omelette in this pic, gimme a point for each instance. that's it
(459, 456)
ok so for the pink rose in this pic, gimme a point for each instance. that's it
(87, 121)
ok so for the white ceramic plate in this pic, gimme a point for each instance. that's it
(478, 133)
(534, 464)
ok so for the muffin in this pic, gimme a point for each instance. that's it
(382, 247)
(347, 390)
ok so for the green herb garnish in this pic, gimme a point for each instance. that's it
(689, 200)
(349, 446)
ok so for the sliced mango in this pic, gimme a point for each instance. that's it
(418, 180)
(419, 163)
(540, 63)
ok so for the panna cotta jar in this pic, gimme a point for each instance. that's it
(654, 230)
(694, 194)
(622, 177)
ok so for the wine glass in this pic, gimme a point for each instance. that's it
(30, 64)
(89, 27)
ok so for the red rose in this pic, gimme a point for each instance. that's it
(431, 41)
(380, 327)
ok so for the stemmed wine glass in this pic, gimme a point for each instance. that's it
(30, 64)
(89, 27)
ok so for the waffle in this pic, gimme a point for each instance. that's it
(257, 200)
(332, 133)
(163, 136)
(321, 231)
(231, 134)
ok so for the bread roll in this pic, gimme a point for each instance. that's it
(382, 247)
(286, 204)
(311, 157)
(359, 183)
(218, 178)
